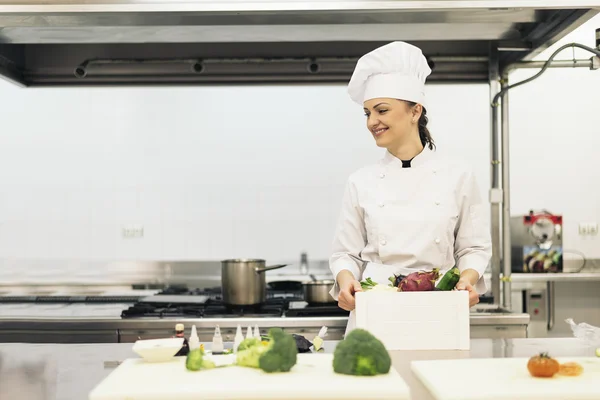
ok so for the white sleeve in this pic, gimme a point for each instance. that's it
(473, 244)
(350, 238)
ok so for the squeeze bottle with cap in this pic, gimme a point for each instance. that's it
(217, 342)
(194, 341)
(249, 334)
(239, 338)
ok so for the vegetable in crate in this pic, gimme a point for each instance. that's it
(369, 284)
(542, 366)
(195, 360)
(396, 279)
(449, 280)
(278, 354)
(361, 353)
(419, 281)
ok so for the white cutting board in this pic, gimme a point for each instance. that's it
(311, 378)
(505, 378)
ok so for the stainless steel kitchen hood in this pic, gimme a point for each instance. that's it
(132, 42)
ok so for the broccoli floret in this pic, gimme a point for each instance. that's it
(249, 352)
(281, 354)
(249, 357)
(249, 342)
(195, 361)
(278, 355)
(361, 353)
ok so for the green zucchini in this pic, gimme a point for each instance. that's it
(449, 280)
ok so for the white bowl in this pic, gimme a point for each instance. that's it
(158, 350)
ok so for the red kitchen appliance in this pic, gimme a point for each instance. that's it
(537, 242)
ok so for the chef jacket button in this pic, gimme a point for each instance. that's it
(380, 204)
(383, 242)
(434, 171)
(382, 175)
(437, 240)
(437, 203)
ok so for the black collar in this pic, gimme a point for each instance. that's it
(406, 163)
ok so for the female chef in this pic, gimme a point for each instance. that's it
(412, 210)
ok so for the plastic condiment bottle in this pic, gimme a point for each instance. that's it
(249, 334)
(217, 342)
(194, 341)
(256, 332)
(239, 338)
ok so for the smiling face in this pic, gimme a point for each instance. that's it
(392, 122)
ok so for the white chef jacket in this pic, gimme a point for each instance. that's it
(401, 219)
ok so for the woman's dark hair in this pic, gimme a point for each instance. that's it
(424, 133)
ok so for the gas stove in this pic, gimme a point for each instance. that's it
(181, 302)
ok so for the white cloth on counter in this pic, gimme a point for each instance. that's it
(400, 220)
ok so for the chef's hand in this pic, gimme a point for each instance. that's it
(348, 286)
(464, 284)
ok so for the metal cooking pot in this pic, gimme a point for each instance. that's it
(243, 281)
(317, 292)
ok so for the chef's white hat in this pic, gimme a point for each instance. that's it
(397, 70)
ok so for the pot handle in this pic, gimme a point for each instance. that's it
(270, 268)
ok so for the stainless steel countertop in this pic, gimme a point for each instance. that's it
(100, 322)
(71, 371)
(563, 277)
(108, 316)
(68, 323)
(115, 330)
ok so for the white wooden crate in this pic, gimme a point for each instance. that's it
(435, 320)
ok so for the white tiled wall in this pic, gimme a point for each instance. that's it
(218, 172)
(208, 172)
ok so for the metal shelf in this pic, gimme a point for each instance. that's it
(562, 277)
(146, 42)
